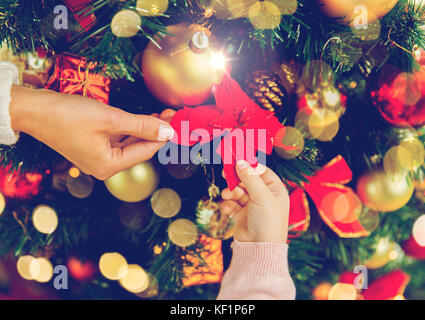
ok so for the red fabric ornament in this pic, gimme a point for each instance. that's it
(19, 186)
(234, 110)
(73, 75)
(402, 102)
(387, 287)
(413, 249)
(81, 271)
(324, 183)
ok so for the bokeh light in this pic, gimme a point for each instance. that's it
(41, 270)
(183, 232)
(136, 279)
(343, 291)
(166, 203)
(419, 231)
(45, 219)
(113, 266)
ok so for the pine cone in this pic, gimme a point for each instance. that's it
(264, 87)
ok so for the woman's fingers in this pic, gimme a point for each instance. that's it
(229, 207)
(141, 126)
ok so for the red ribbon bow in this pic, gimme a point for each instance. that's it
(331, 199)
(387, 287)
(233, 111)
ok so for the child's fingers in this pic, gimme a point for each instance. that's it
(254, 183)
(238, 194)
(273, 182)
(229, 207)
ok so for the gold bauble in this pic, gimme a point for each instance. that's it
(134, 184)
(383, 254)
(349, 9)
(151, 7)
(226, 9)
(179, 71)
(212, 221)
(166, 203)
(383, 192)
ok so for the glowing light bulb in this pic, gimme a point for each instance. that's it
(218, 60)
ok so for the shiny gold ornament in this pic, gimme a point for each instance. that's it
(382, 192)
(134, 184)
(179, 69)
(382, 254)
(126, 24)
(226, 9)
(166, 203)
(182, 232)
(133, 215)
(264, 15)
(289, 137)
(264, 87)
(151, 7)
(210, 220)
(357, 12)
(45, 219)
(113, 266)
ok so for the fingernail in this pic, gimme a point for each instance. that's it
(260, 169)
(242, 164)
(165, 133)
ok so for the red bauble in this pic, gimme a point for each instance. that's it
(402, 102)
(19, 186)
(413, 249)
(81, 271)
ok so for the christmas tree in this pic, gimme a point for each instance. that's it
(338, 87)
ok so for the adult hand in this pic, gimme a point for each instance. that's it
(97, 138)
(259, 205)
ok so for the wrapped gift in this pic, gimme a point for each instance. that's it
(205, 266)
(74, 75)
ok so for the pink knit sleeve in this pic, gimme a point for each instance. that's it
(258, 271)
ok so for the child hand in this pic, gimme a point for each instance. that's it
(259, 205)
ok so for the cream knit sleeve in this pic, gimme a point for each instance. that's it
(9, 75)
